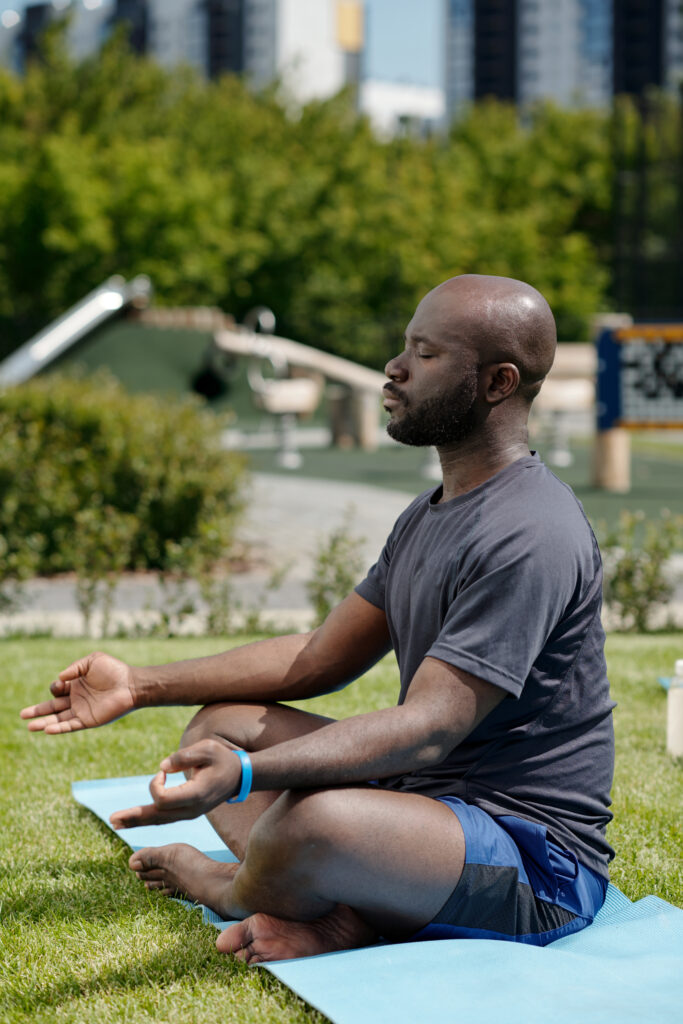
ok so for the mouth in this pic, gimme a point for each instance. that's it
(391, 400)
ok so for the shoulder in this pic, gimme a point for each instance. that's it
(531, 512)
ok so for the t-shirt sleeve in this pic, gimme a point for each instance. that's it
(511, 595)
(373, 587)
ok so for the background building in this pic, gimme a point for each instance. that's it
(395, 108)
(575, 52)
(314, 46)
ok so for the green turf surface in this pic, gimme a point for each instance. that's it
(82, 940)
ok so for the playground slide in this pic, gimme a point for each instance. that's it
(34, 355)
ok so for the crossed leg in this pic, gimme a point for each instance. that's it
(320, 869)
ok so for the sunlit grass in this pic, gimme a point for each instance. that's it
(80, 939)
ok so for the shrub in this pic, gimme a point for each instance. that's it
(102, 553)
(636, 553)
(337, 568)
(86, 468)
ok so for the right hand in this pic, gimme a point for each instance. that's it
(90, 692)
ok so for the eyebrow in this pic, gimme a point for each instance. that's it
(418, 339)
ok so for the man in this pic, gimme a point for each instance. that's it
(476, 806)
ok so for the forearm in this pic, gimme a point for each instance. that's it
(351, 639)
(280, 668)
(370, 746)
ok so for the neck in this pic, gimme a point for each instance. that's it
(472, 462)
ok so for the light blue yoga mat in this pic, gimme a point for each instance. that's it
(626, 968)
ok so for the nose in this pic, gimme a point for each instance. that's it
(396, 369)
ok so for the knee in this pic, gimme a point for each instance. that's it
(202, 726)
(233, 723)
(298, 834)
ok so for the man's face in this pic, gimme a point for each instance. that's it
(432, 391)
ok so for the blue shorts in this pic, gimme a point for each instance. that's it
(516, 884)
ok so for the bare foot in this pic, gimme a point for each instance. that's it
(261, 937)
(180, 870)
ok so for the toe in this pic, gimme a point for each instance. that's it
(233, 938)
(140, 860)
(153, 875)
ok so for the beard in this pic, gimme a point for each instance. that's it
(443, 420)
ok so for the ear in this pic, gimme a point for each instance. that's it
(502, 381)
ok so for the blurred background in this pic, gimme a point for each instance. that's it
(238, 203)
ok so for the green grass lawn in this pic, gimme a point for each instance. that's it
(83, 940)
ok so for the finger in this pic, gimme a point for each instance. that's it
(66, 722)
(150, 814)
(175, 797)
(167, 807)
(52, 725)
(188, 757)
(156, 786)
(46, 707)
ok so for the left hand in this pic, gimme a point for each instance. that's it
(216, 772)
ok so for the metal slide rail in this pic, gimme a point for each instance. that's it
(46, 346)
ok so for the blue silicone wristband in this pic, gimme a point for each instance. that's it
(247, 776)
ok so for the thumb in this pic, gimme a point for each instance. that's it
(75, 669)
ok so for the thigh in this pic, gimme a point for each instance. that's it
(393, 857)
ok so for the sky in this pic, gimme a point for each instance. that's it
(403, 39)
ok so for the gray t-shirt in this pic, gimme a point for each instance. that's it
(505, 582)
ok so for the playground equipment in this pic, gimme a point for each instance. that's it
(567, 395)
(353, 391)
(46, 346)
(280, 395)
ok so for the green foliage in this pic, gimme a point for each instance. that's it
(229, 197)
(95, 480)
(104, 549)
(636, 552)
(15, 566)
(337, 568)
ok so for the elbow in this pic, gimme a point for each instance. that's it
(434, 746)
(432, 753)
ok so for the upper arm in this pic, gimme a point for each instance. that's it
(449, 702)
(353, 637)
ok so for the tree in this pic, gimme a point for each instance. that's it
(230, 197)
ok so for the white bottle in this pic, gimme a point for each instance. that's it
(674, 712)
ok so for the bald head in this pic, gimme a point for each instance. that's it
(500, 319)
